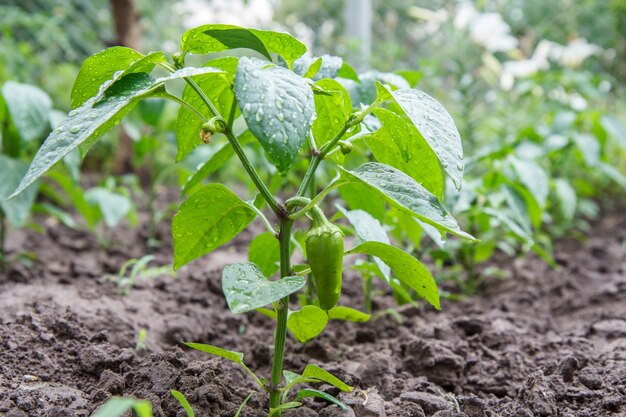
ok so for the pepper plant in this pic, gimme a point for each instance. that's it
(295, 116)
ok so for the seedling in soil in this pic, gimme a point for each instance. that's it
(283, 111)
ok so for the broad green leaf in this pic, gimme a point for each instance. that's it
(214, 38)
(521, 205)
(246, 288)
(18, 209)
(404, 193)
(214, 163)
(290, 377)
(406, 268)
(312, 371)
(566, 197)
(366, 91)
(367, 228)
(589, 148)
(326, 66)
(533, 177)
(278, 107)
(348, 314)
(183, 402)
(118, 406)
(113, 206)
(232, 356)
(101, 67)
(411, 77)
(308, 392)
(307, 323)
(398, 144)
(312, 70)
(218, 90)
(332, 111)
(210, 217)
(510, 224)
(87, 123)
(29, 108)
(264, 251)
(437, 127)
(611, 172)
(360, 196)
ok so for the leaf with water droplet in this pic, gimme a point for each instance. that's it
(404, 193)
(406, 268)
(281, 137)
(214, 215)
(437, 127)
(246, 288)
(118, 101)
(332, 111)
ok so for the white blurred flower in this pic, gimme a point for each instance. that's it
(234, 12)
(577, 51)
(434, 18)
(492, 32)
(527, 67)
(465, 13)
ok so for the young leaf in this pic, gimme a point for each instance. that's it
(29, 108)
(326, 66)
(332, 111)
(113, 206)
(218, 90)
(533, 177)
(404, 193)
(312, 371)
(210, 217)
(348, 314)
(307, 392)
(406, 268)
(284, 406)
(87, 123)
(232, 356)
(307, 323)
(243, 404)
(118, 406)
(264, 251)
(18, 209)
(183, 402)
(246, 288)
(437, 127)
(398, 144)
(278, 107)
(566, 197)
(214, 38)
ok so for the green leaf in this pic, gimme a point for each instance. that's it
(183, 402)
(404, 193)
(566, 197)
(113, 206)
(332, 111)
(307, 323)
(589, 148)
(218, 90)
(107, 66)
(210, 217)
(398, 144)
(214, 163)
(246, 288)
(367, 228)
(264, 251)
(290, 377)
(312, 371)
(613, 127)
(232, 356)
(406, 268)
(29, 108)
(87, 123)
(214, 38)
(284, 406)
(326, 66)
(243, 404)
(367, 90)
(278, 107)
(307, 392)
(312, 70)
(533, 177)
(348, 314)
(118, 406)
(18, 209)
(360, 196)
(437, 127)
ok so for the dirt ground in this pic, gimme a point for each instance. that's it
(542, 343)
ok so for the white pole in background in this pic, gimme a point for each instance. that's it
(358, 20)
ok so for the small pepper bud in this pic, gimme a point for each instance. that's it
(345, 147)
(178, 59)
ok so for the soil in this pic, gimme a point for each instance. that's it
(542, 342)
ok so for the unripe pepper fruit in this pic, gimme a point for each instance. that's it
(324, 249)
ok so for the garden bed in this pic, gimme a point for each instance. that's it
(542, 343)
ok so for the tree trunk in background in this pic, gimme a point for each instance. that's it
(128, 33)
